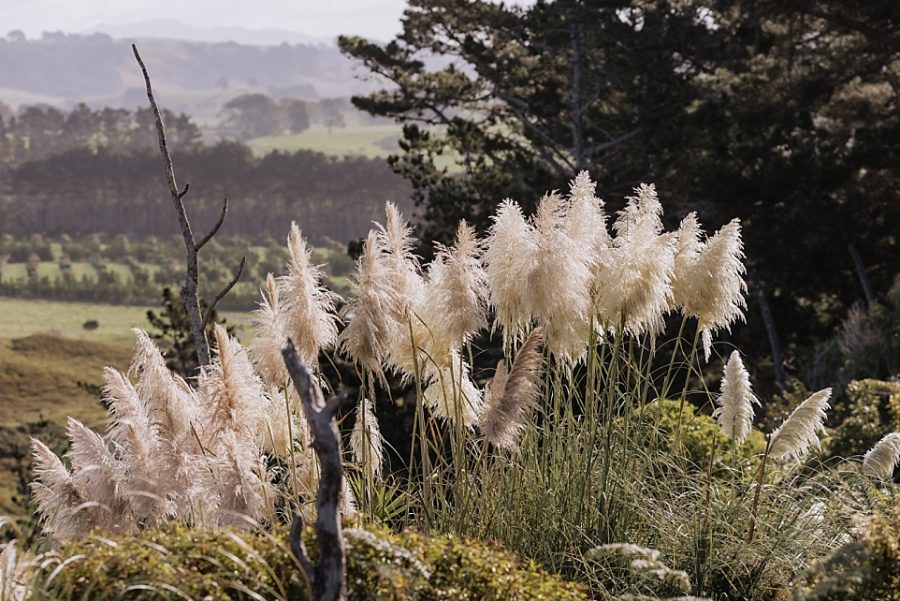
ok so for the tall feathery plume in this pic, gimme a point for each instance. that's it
(879, 462)
(801, 429)
(714, 290)
(55, 493)
(455, 301)
(142, 452)
(561, 280)
(174, 407)
(242, 483)
(585, 220)
(402, 266)
(278, 424)
(636, 283)
(450, 392)
(686, 252)
(511, 395)
(366, 442)
(268, 335)
(508, 257)
(171, 402)
(233, 393)
(406, 352)
(369, 314)
(735, 410)
(309, 317)
(99, 477)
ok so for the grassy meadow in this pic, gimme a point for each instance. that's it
(369, 141)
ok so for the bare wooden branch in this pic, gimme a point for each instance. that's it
(212, 306)
(327, 581)
(190, 294)
(298, 548)
(215, 228)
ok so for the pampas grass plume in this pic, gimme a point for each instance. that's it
(880, 461)
(366, 441)
(307, 306)
(511, 395)
(268, 335)
(450, 392)
(735, 410)
(561, 280)
(508, 258)
(801, 429)
(713, 291)
(369, 313)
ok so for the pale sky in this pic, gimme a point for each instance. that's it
(379, 19)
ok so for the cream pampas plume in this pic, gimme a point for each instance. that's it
(735, 411)
(98, 476)
(713, 291)
(508, 257)
(585, 220)
(143, 454)
(801, 429)
(402, 267)
(232, 392)
(880, 461)
(55, 493)
(268, 335)
(560, 280)
(686, 252)
(369, 314)
(366, 442)
(511, 395)
(242, 483)
(450, 392)
(635, 281)
(456, 295)
(643, 211)
(170, 401)
(307, 307)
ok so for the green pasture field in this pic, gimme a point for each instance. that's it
(371, 141)
(23, 317)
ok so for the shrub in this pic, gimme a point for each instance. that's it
(863, 570)
(175, 562)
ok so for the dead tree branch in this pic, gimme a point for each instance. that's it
(215, 228)
(190, 290)
(327, 578)
(212, 306)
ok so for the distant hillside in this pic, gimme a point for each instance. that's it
(174, 29)
(100, 70)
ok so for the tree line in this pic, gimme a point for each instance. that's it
(97, 171)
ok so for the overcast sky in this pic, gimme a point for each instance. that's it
(379, 19)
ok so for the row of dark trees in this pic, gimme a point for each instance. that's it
(784, 114)
(84, 190)
(39, 131)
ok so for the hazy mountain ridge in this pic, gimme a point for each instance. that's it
(175, 29)
(100, 70)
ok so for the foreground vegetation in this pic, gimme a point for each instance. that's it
(590, 450)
